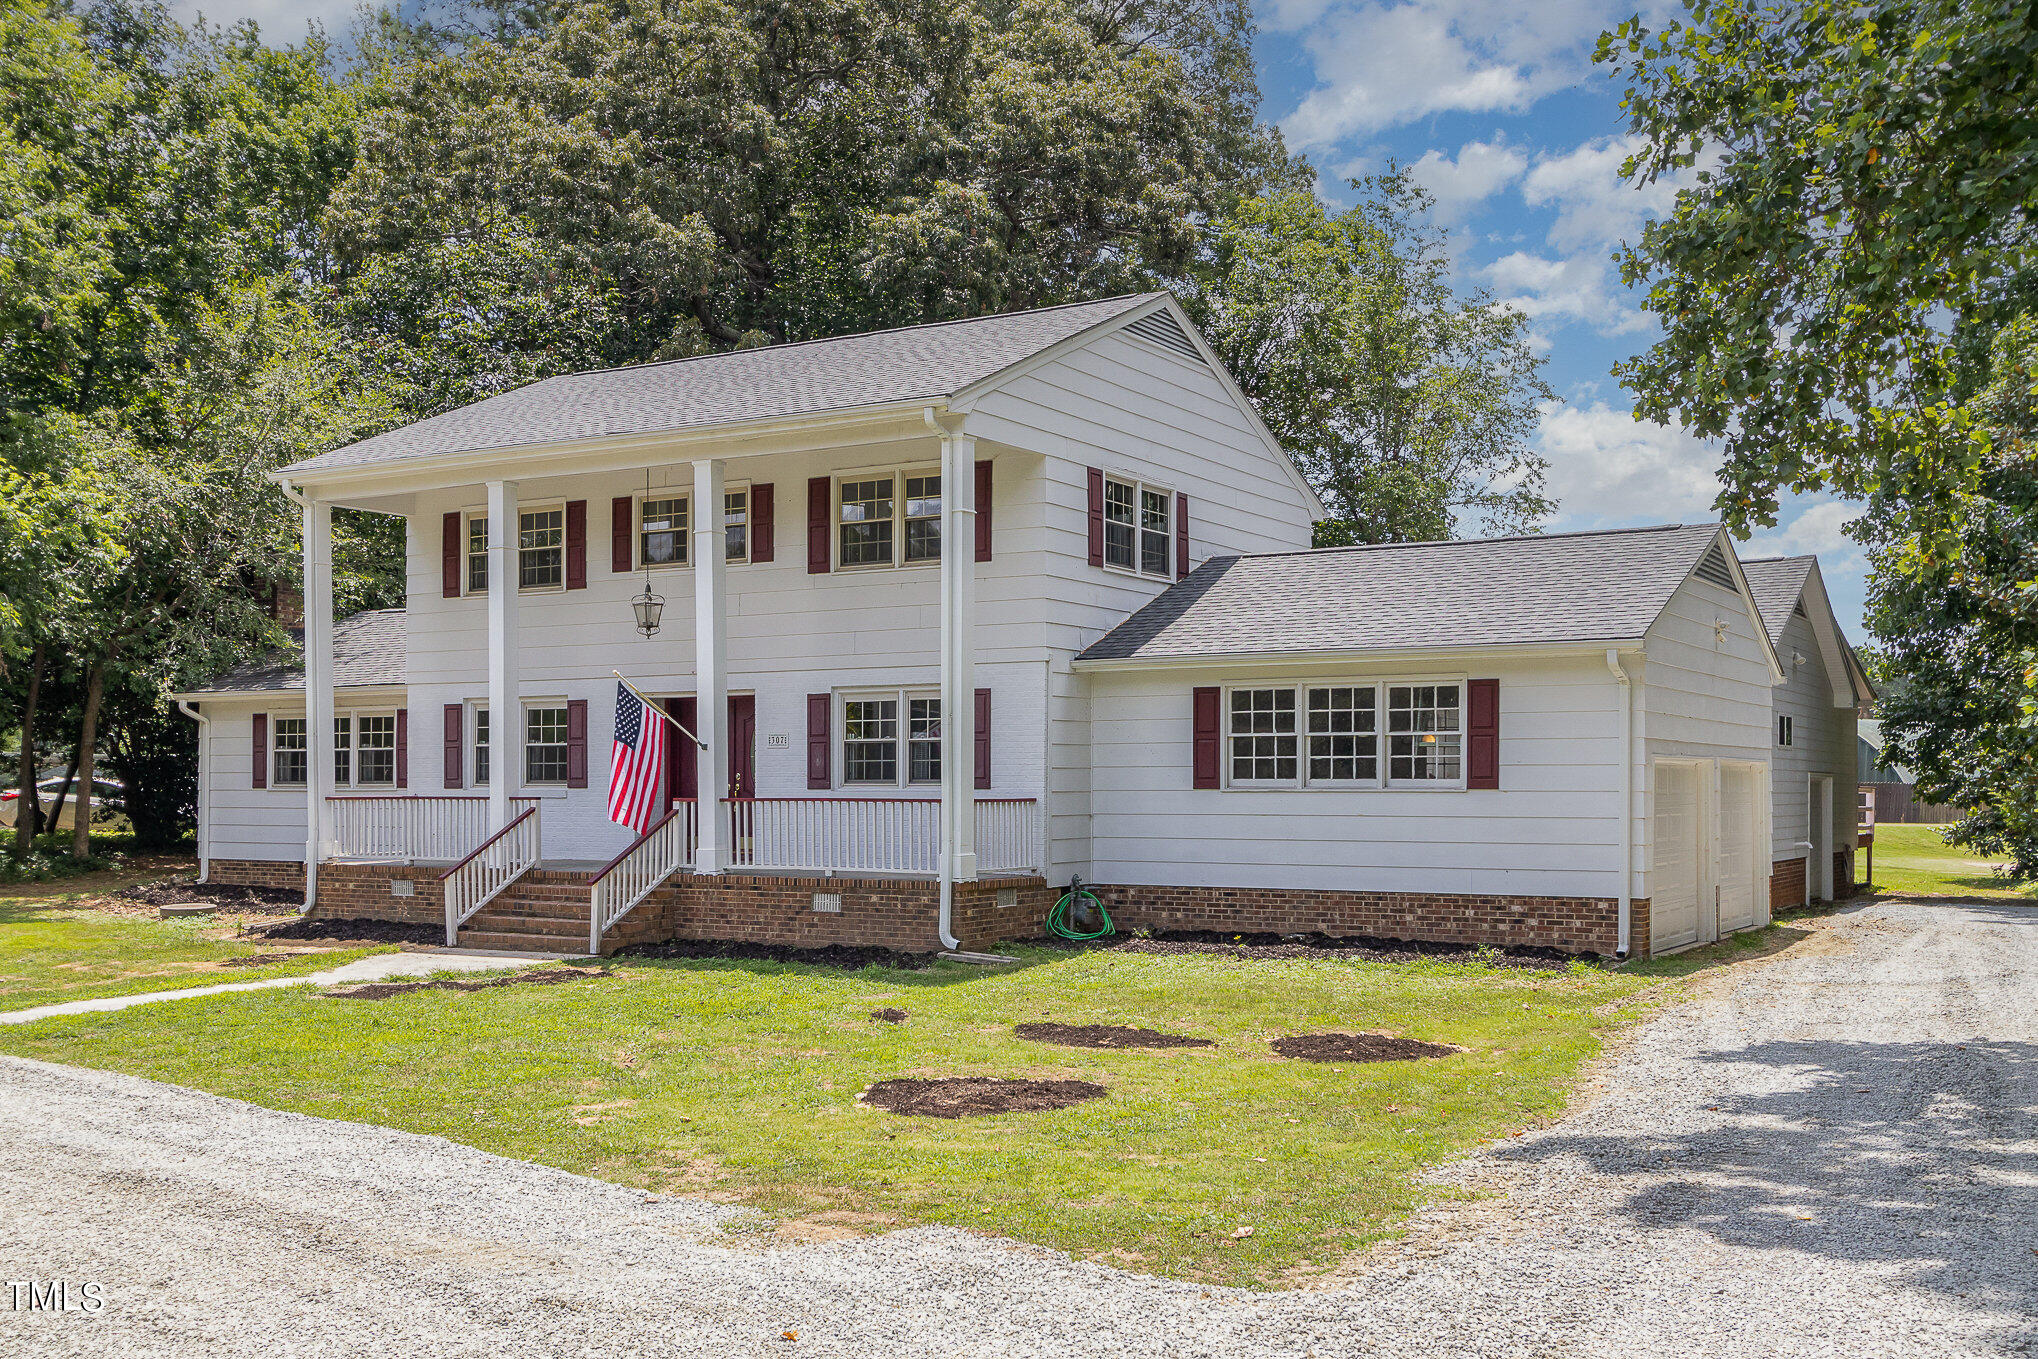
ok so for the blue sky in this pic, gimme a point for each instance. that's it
(1497, 108)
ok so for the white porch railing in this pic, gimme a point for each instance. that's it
(411, 826)
(480, 877)
(630, 877)
(872, 835)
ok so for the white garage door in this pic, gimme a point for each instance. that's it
(1740, 846)
(1673, 872)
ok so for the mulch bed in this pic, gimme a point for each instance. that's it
(964, 1096)
(225, 895)
(1350, 948)
(1106, 1036)
(544, 976)
(833, 955)
(1359, 1047)
(891, 1014)
(366, 931)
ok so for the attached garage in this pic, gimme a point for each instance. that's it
(1709, 868)
(1677, 869)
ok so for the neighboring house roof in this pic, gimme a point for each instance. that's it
(368, 650)
(1777, 584)
(739, 386)
(1872, 766)
(1541, 588)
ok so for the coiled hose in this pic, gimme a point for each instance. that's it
(1061, 918)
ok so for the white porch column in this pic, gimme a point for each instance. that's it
(958, 668)
(505, 708)
(711, 661)
(318, 690)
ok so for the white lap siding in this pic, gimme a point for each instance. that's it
(1551, 829)
(1823, 741)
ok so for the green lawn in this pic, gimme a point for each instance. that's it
(740, 1080)
(53, 949)
(1917, 861)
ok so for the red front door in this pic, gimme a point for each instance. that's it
(682, 759)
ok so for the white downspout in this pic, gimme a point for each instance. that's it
(204, 787)
(1627, 795)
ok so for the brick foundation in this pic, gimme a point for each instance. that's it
(901, 914)
(1786, 885)
(258, 873)
(1567, 924)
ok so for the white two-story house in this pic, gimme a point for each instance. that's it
(947, 614)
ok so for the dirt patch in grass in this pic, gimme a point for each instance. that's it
(1359, 1047)
(543, 976)
(1354, 948)
(964, 1096)
(258, 959)
(226, 896)
(891, 1014)
(834, 955)
(1106, 1036)
(358, 931)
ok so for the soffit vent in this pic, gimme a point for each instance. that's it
(1713, 567)
(1162, 329)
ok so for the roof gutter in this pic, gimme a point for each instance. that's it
(1234, 660)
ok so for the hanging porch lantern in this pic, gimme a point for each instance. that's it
(649, 608)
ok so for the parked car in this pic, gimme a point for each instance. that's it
(108, 799)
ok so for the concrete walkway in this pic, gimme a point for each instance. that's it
(378, 967)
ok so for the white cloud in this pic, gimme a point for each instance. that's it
(1480, 170)
(1380, 63)
(1577, 288)
(1819, 530)
(1607, 468)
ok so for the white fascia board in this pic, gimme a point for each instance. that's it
(1722, 540)
(1833, 648)
(362, 692)
(1318, 660)
(614, 453)
(965, 400)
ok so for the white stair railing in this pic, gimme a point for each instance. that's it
(481, 877)
(410, 826)
(635, 873)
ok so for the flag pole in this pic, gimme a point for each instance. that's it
(653, 706)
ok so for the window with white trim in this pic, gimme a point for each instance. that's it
(364, 749)
(1139, 528)
(888, 519)
(1784, 733)
(541, 550)
(736, 525)
(545, 744)
(1329, 735)
(289, 754)
(1425, 737)
(661, 531)
(343, 752)
(480, 747)
(891, 738)
(477, 554)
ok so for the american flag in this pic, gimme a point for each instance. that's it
(637, 764)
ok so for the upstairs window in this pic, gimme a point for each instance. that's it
(736, 525)
(661, 532)
(893, 519)
(477, 554)
(1785, 735)
(1139, 528)
(541, 549)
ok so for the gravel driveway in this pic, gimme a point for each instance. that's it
(1835, 1152)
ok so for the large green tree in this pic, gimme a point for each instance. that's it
(1407, 404)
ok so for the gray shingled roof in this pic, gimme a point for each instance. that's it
(913, 363)
(1777, 584)
(1558, 587)
(368, 649)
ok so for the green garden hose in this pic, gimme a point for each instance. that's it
(1060, 920)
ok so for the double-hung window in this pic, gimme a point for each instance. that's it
(544, 745)
(891, 738)
(343, 752)
(289, 751)
(662, 531)
(541, 550)
(1139, 528)
(888, 519)
(477, 554)
(375, 750)
(1330, 735)
(481, 747)
(736, 525)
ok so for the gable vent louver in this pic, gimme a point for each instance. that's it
(1713, 567)
(1797, 610)
(1162, 329)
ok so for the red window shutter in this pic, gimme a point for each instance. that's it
(683, 766)
(1209, 739)
(983, 510)
(1096, 516)
(622, 516)
(456, 745)
(576, 743)
(403, 747)
(576, 544)
(449, 556)
(1482, 733)
(763, 541)
(983, 738)
(820, 491)
(261, 770)
(1181, 536)
(820, 757)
